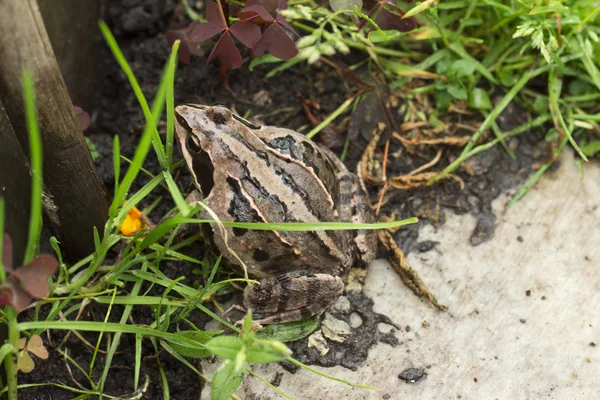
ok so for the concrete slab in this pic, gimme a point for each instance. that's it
(524, 308)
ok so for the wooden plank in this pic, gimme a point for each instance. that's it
(74, 197)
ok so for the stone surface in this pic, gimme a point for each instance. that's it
(524, 308)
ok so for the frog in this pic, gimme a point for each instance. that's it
(249, 173)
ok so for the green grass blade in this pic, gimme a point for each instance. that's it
(479, 67)
(116, 161)
(144, 145)
(588, 63)
(555, 83)
(170, 107)
(35, 159)
(151, 122)
(178, 198)
(331, 117)
(166, 226)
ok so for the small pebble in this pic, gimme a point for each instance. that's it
(355, 320)
(412, 375)
(341, 305)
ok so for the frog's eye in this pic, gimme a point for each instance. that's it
(245, 122)
(192, 144)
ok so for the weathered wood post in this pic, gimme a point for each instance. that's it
(74, 196)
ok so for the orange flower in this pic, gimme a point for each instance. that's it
(133, 222)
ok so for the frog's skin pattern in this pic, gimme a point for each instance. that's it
(272, 174)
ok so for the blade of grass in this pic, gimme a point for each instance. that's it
(178, 198)
(588, 63)
(35, 158)
(166, 226)
(116, 161)
(340, 110)
(151, 122)
(333, 378)
(479, 67)
(555, 83)
(138, 361)
(170, 106)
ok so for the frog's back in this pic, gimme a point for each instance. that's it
(276, 175)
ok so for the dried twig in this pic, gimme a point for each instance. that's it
(402, 267)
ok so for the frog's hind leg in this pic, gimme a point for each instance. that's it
(292, 297)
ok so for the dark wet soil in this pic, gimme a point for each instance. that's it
(140, 28)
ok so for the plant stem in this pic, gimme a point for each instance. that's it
(331, 117)
(10, 362)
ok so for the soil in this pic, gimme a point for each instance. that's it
(140, 28)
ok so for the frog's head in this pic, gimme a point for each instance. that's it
(196, 128)
(198, 124)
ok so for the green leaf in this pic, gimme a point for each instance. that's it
(555, 7)
(482, 69)
(540, 104)
(479, 99)
(92, 148)
(377, 37)
(264, 59)
(338, 5)
(442, 100)
(267, 351)
(225, 346)
(188, 350)
(407, 70)
(226, 381)
(422, 6)
(462, 68)
(290, 331)
(524, 30)
(591, 148)
(458, 92)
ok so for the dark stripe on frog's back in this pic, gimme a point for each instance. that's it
(277, 211)
(240, 208)
(272, 206)
(248, 153)
(298, 147)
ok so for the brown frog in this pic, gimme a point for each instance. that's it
(268, 174)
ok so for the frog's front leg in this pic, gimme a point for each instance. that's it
(293, 296)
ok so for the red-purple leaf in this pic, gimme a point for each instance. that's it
(83, 118)
(269, 5)
(205, 31)
(258, 12)
(215, 16)
(281, 20)
(188, 46)
(390, 17)
(276, 40)
(215, 24)
(226, 51)
(34, 276)
(5, 297)
(246, 32)
(15, 295)
(7, 256)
